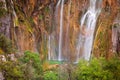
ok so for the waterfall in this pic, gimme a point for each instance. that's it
(52, 46)
(49, 50)
(54, 51)
(14, 15)
(61, 31)
(58, 40)
(87, 27)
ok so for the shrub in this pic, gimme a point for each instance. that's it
(31, 66)
(50, 75)
(113, 66)
(3, 11)
(6, 44)
(93, 70)
(11, 70)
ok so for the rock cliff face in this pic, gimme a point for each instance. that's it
(28, 23)
(103, 40)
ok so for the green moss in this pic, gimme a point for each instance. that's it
(28, 25)
(23, 20)
(3, 12)
(40, 17)
(6, 45)
(47, 10)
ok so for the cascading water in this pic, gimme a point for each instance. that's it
(49, 50)
(61, 31)
(86, 35)
(87, 27)
(55, 52)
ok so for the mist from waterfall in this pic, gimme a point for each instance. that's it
(87, 28)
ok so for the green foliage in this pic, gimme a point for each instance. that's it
(31, 65)
(2, 10)
(113, 66)
(28, 67)
(50, 75)
(30, 56)
(6, 45)
(11, 70)
(98, 69)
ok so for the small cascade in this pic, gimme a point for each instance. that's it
(52, 43)
(87, 27)
(49, 50)
(15, 18)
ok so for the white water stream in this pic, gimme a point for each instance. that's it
(61, 32)
(87, 28)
